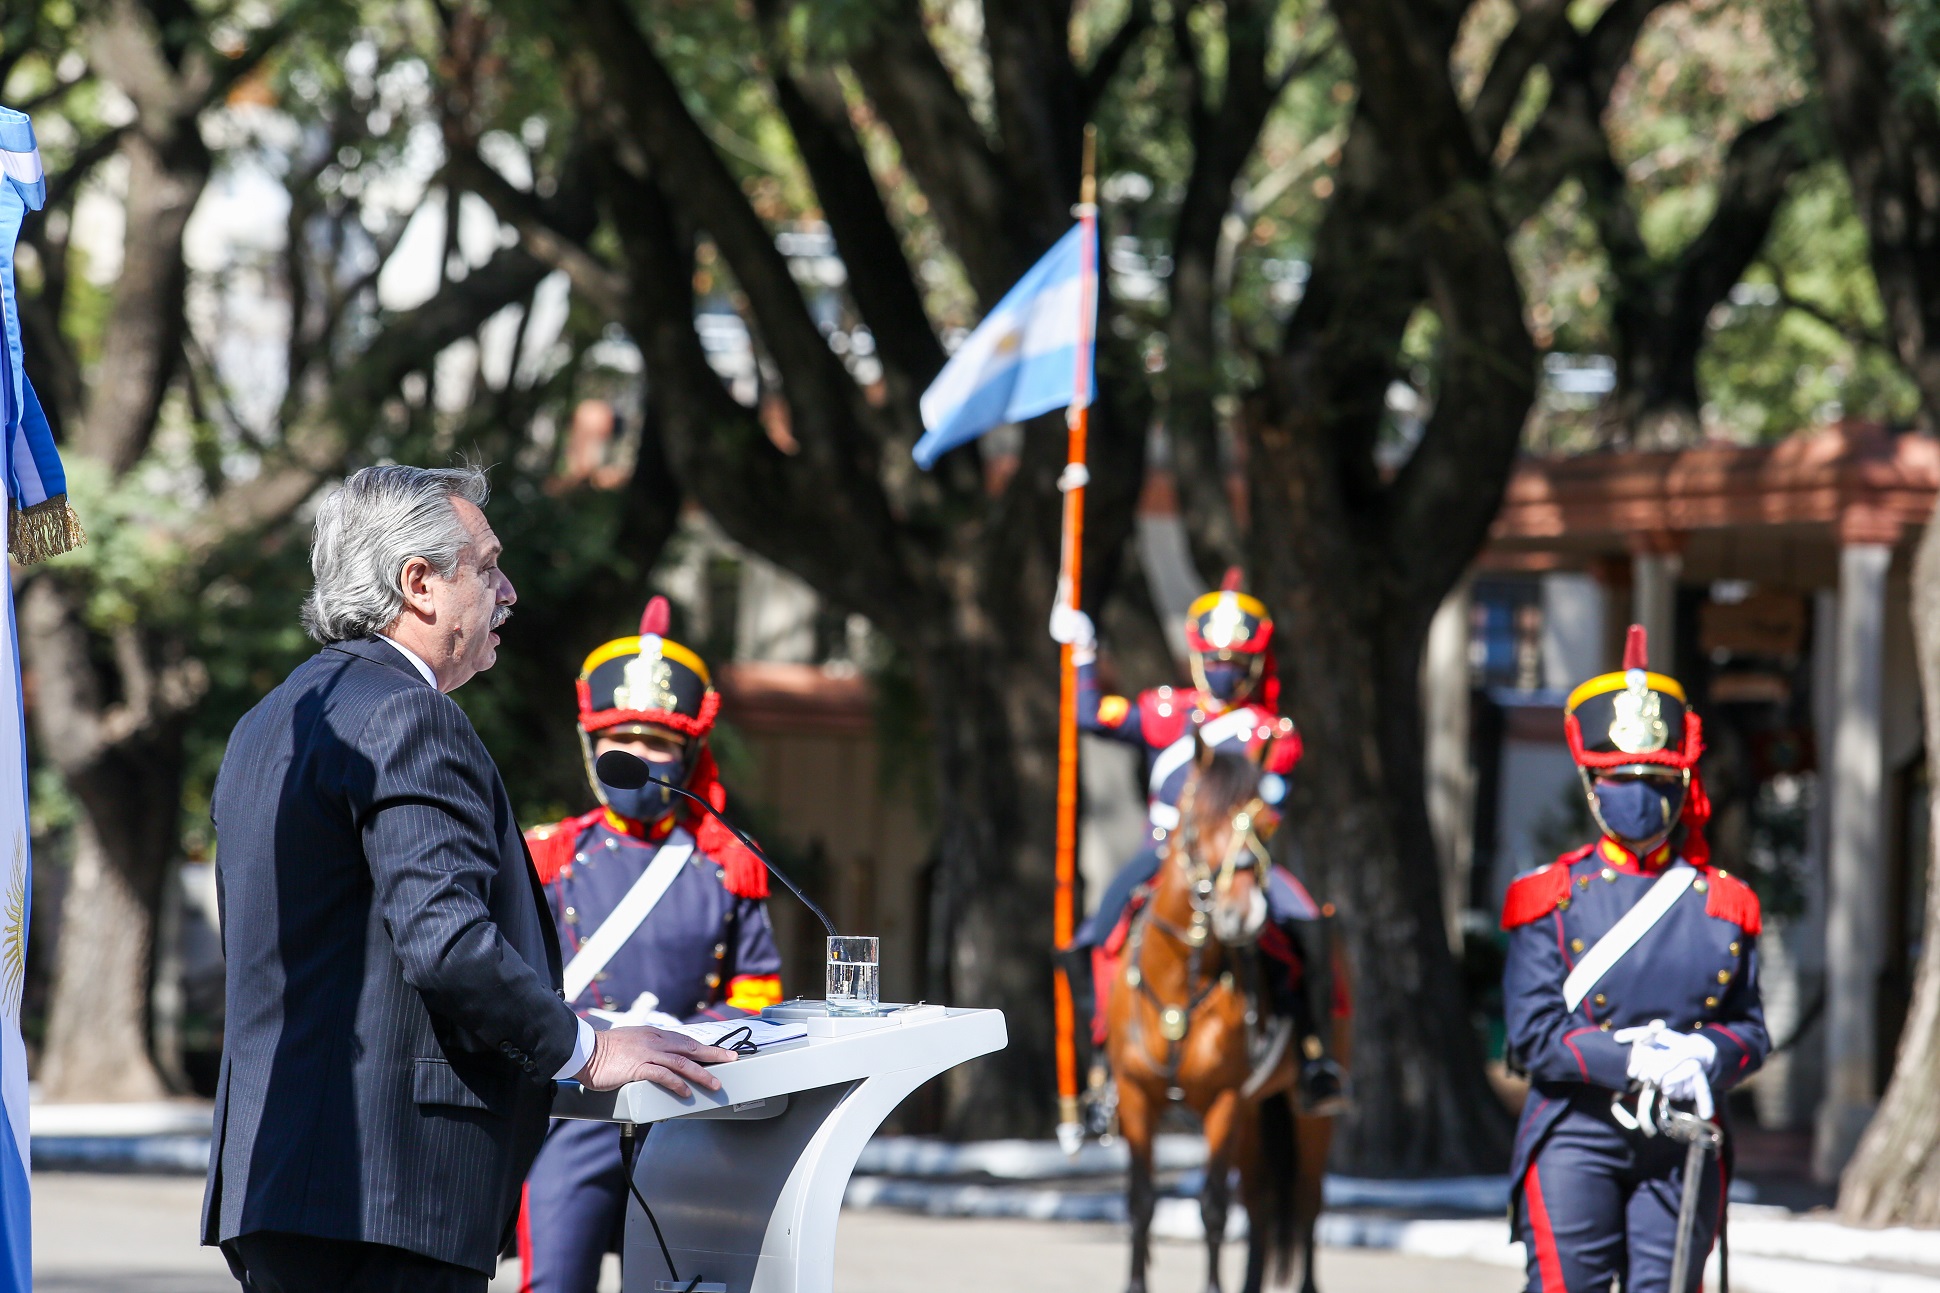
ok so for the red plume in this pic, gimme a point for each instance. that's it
(653, 620)
(1636, 650)
(1697, 812)
(1233, 578)
(746, 876)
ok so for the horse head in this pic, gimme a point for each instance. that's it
(1222, 836)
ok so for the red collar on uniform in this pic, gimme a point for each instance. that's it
(1622, 859)
(652, 832)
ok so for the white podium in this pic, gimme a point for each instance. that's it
(747, 1182)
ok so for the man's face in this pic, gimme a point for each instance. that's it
(474, 601)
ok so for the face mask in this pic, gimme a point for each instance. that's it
(1639, 809)
(653, 801)
(648, 804)
(1226, 679)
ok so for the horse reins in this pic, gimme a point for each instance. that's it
(1245, 853)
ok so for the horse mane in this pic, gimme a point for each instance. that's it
(1222, 785)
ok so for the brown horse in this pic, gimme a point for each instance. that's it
(1187, 1024)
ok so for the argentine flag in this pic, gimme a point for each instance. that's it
(1024, 358)
(22, 189)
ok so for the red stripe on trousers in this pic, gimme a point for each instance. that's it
(1549, 1263)
(525, 1239)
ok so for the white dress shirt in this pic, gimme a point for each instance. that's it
(583, 1046)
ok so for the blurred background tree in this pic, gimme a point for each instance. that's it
(1359, 256)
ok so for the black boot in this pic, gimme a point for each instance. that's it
(1098, 1096)
(1321, 1083)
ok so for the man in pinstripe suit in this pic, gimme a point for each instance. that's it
(394, 1019)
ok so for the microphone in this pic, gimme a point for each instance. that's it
(626, 771)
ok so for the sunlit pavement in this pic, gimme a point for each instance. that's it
(137, 1234)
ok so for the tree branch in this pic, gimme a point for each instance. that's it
(544, 229)
(765, 499)
(1223, 139)
(1530, 42)
(1097, 78)
(944, 148)
(880, 278)
(839, 435)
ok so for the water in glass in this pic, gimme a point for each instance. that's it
(854, 985)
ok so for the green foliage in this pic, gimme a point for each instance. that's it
(1807, 345)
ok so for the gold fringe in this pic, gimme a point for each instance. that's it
(47, 529)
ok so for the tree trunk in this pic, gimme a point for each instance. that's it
(124, 764)
(1894, 1178)
(996, 751)
(1352, 656)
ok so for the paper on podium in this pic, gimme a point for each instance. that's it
(762, 1033)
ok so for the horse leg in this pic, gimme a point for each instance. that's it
(1313, 1138)
(1225, 1127)
(1228, 1130)
(1138, 1115)
(1257, 1195)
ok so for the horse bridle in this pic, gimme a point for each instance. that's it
(1246, 852)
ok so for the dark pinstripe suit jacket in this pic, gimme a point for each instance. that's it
(394, 1022)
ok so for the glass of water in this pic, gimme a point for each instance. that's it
(855, 985)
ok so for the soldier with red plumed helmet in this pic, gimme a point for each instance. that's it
(1632, 970)
(1233, 705)
(660, 914)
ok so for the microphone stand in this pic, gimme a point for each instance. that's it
(630, 772)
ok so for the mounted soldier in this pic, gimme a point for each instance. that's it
(1632, 1000)
(1231, 708)
(661, 920)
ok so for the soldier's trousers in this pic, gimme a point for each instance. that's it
(575, 1207)
(1600, 1202)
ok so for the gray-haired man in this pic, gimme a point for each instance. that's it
(394, 1022)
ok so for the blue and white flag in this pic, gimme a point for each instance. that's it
(34, 478)
(40, 522)
(1027, 357)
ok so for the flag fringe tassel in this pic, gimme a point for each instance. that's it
(47, 529)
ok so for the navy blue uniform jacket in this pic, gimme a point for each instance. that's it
(394, 1021)
(1697, 970)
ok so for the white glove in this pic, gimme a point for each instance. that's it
(1687, 1079)
(1073, 628)
(1678, 1064)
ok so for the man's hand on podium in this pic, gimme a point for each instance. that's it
(623, 1055)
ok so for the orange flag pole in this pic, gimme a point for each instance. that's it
(1070, 585)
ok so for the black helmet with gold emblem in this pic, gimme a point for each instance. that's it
(1227, 636)
(646, 686)
(1633, 718)
(1636, 743)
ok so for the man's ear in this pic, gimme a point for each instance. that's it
(414, 581)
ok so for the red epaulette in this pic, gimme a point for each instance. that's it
(1732, 899)
(1533, 896)
(1163, 713)
(742, 873)
(552, 846)
(1285, 753)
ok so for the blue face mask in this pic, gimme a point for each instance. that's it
(1226, 679)
(1641, 808)
(653, 801)
(649, 803)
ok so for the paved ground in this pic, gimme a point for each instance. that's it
(136, 1234)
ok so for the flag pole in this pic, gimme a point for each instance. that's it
(1070, 588)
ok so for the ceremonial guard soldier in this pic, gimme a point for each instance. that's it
(1632, 978)
(1233, 705)
(660, 917)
